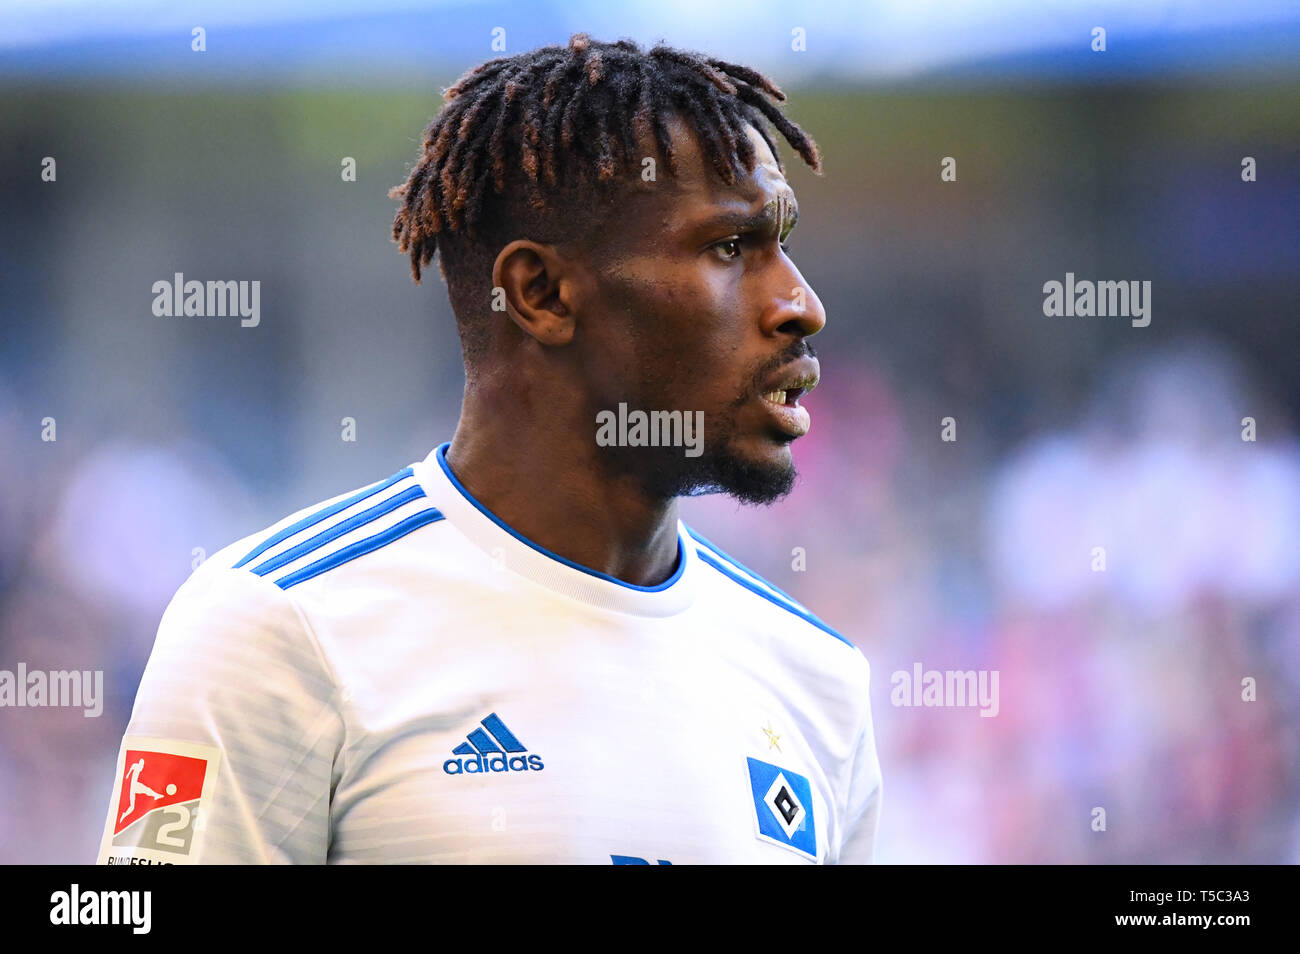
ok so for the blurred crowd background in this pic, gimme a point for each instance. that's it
(1119, 689)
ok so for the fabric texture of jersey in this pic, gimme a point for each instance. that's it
(394, 675)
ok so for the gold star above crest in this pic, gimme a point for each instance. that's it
(772, 737)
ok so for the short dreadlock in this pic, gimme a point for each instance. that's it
(553, 130)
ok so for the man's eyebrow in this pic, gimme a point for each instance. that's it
(779, 214)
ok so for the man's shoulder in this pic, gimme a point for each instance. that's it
(761, 596)
(330, 538)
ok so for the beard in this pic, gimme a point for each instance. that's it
(666, 472)
(745, 480)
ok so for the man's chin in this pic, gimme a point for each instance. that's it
(758, 472)
(761, 478)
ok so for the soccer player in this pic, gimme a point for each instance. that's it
(513, 650)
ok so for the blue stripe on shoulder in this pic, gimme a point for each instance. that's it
(344, 526)
(360, 548)
(325, 514)
(792, 607)
(737, 564)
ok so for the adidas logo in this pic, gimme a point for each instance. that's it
(494, 752)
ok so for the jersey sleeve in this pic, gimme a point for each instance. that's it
(862, 815)
(230, 755)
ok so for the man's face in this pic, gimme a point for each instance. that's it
(699, 308)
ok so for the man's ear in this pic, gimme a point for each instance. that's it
(539, 289)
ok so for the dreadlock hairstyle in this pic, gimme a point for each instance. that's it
(531, 146)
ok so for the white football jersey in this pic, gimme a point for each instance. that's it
(395, 675)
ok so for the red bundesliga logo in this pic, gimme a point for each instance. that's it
(155, 780)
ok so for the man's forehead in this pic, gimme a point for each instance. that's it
(694, 168)
(765, 160)
(699, 184)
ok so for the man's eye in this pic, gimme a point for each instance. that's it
(728, 250)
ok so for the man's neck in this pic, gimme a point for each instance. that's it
(545, 483)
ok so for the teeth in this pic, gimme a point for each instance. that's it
(776, 397)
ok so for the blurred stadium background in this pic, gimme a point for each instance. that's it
(1119, 689)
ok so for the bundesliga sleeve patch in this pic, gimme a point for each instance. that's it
(163, 788)
(783, 807)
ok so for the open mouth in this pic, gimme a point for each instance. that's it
(783, 403)
(784, 389)
(793, 386)
(789, 397)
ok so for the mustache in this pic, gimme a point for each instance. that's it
(798, 349)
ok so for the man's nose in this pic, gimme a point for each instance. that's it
(795, 309)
